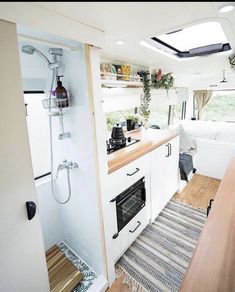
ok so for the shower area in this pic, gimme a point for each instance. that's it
(59, 122)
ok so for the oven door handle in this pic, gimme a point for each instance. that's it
(136, 170)
(138, 225)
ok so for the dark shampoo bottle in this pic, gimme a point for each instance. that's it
(60, 91)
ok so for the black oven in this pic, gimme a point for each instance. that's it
(129, 203)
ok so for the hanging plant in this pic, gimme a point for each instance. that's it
(145, 97)
(159, 80)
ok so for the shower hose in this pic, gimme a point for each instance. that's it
(51, 150)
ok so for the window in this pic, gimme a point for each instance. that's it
(117, 117)
(177, 112)
(38, 132)
(221, 107)
(159, 116)
(195, 40)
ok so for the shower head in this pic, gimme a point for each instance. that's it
(31, 50)
(28, 49)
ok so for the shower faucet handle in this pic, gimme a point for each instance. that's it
(71, 165)
(66, 164)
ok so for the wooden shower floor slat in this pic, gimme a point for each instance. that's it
(63, 275)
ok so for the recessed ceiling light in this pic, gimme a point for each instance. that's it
(119, 42)
(226, 8)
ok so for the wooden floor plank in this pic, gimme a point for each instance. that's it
(58, 271)
(118, 286)
(63, 275)
(51, 249)
(52, 252)
(199, 191)
(51, 262)
(71, 281)
(54, 269)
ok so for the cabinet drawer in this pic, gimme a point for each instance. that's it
(129, 233)
(124, 177)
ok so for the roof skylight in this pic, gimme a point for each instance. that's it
(201, 39)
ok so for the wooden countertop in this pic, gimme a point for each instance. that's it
(213, 264)
(149, 140)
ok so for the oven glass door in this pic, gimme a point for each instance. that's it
(129, 203)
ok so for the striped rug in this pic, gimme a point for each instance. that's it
(159, 257)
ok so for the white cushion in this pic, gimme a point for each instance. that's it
(226, 135)
(186, 143)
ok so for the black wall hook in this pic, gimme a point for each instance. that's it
(31, 209)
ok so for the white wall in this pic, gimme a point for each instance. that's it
(115, 99)
(80, 217)
(50, 215)
(77, 222)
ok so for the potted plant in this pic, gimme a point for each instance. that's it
(132, 122)
(159, 80)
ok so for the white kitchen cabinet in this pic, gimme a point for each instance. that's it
(129, 233)
(127, 175)
(163, 175)
(117, 182)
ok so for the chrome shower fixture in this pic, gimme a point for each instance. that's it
(66, 165)
(56, 51)
(28, 49)
(53, 51)
(31, 50)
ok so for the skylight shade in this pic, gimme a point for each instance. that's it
(199, 35)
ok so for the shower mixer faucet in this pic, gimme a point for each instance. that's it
(66, 165)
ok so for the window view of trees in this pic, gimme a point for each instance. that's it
(221, 107)
(159, 116)
(177, 112)
(117, 117)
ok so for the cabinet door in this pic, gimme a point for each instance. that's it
(158, 179)
(164, 175)
(172, 163)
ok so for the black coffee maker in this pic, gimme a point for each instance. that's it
(118, 136)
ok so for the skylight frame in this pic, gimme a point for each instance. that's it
(210, 48)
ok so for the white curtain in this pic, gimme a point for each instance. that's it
(202, 98)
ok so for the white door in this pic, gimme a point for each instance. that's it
(22, 260)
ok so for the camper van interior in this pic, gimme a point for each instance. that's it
(117, 146)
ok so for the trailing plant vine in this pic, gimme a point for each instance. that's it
(158, 80)
(146, 97)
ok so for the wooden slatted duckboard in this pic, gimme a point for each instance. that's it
(63, 275)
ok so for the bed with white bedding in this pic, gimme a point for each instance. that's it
(215, 145)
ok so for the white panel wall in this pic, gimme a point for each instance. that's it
(80, 217)
(160, 97)
(120, 98)
(50, 215)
